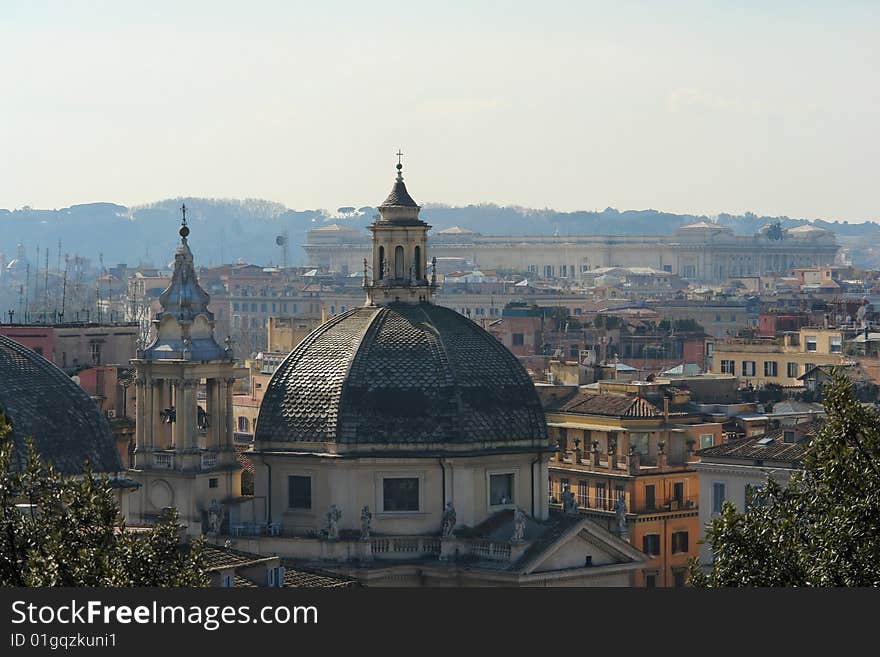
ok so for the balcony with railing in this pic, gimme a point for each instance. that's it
(208, 460)
(670, 505)
(164, 460)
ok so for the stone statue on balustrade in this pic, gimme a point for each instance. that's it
(333, 516)
(366, 519)
(569, 504)
(519, 526)
(448, 520)
(215, 518)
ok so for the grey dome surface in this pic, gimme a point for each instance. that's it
(399, 375)
(43, 403)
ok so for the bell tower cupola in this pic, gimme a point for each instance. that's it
(400, 271)
(184, 452)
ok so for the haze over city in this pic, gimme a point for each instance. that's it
(701, 108)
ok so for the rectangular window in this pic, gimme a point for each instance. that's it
(679, 542)
(727, 367)
(706, 440)
(600, 496)
(679, 578)
(400, 494)
(501, 489)
(299, 492)
(748, 368)
(678, 492)
(619, 493)
(769, 368)
(808, 367)
(717, 496)
(791, 370)
(810, 342)
(517, 339)
(562, 484)
(583, 494)
(651, 544)
(650, 497)
(235, 306)
(212, 482)
(835, 344)
(650, 580)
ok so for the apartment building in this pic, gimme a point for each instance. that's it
(778, 361)
(621, 446)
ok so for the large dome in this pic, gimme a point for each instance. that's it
(406, 378)
(43, 403)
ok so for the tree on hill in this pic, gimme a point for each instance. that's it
(823, 529)
(63, 531)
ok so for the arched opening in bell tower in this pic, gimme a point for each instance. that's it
(399, 263)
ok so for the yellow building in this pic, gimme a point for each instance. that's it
(620, 446)
(779, 360)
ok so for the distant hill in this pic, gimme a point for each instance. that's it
(226, 230)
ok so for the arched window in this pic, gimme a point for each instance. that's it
(398, 263)
(381, 263)
(418, 263)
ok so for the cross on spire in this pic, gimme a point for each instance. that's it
(399, 155)
(183, 210)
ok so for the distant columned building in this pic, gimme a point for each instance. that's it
(702, 251)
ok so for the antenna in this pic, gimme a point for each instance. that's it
(63, 293)
(27, 290)
(46, 289)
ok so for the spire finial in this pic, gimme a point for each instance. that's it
(184, 231)
(399, 165)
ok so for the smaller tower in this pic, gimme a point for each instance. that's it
(400, 267)
(184, 452)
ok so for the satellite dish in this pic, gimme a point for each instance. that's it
(280, 240)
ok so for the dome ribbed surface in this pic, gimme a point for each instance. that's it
(401, 374)
(43, 403)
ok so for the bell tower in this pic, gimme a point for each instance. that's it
(184, 453)
(400, 267)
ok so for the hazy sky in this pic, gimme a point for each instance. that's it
(702, 107)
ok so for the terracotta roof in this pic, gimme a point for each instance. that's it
(770, 446)
(217, 557)
(312, 579)
(587, 403)
(43, 403)
(401, 374)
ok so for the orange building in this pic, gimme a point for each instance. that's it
(614, 446)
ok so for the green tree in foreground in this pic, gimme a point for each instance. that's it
(74, 536)
(824, 528)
